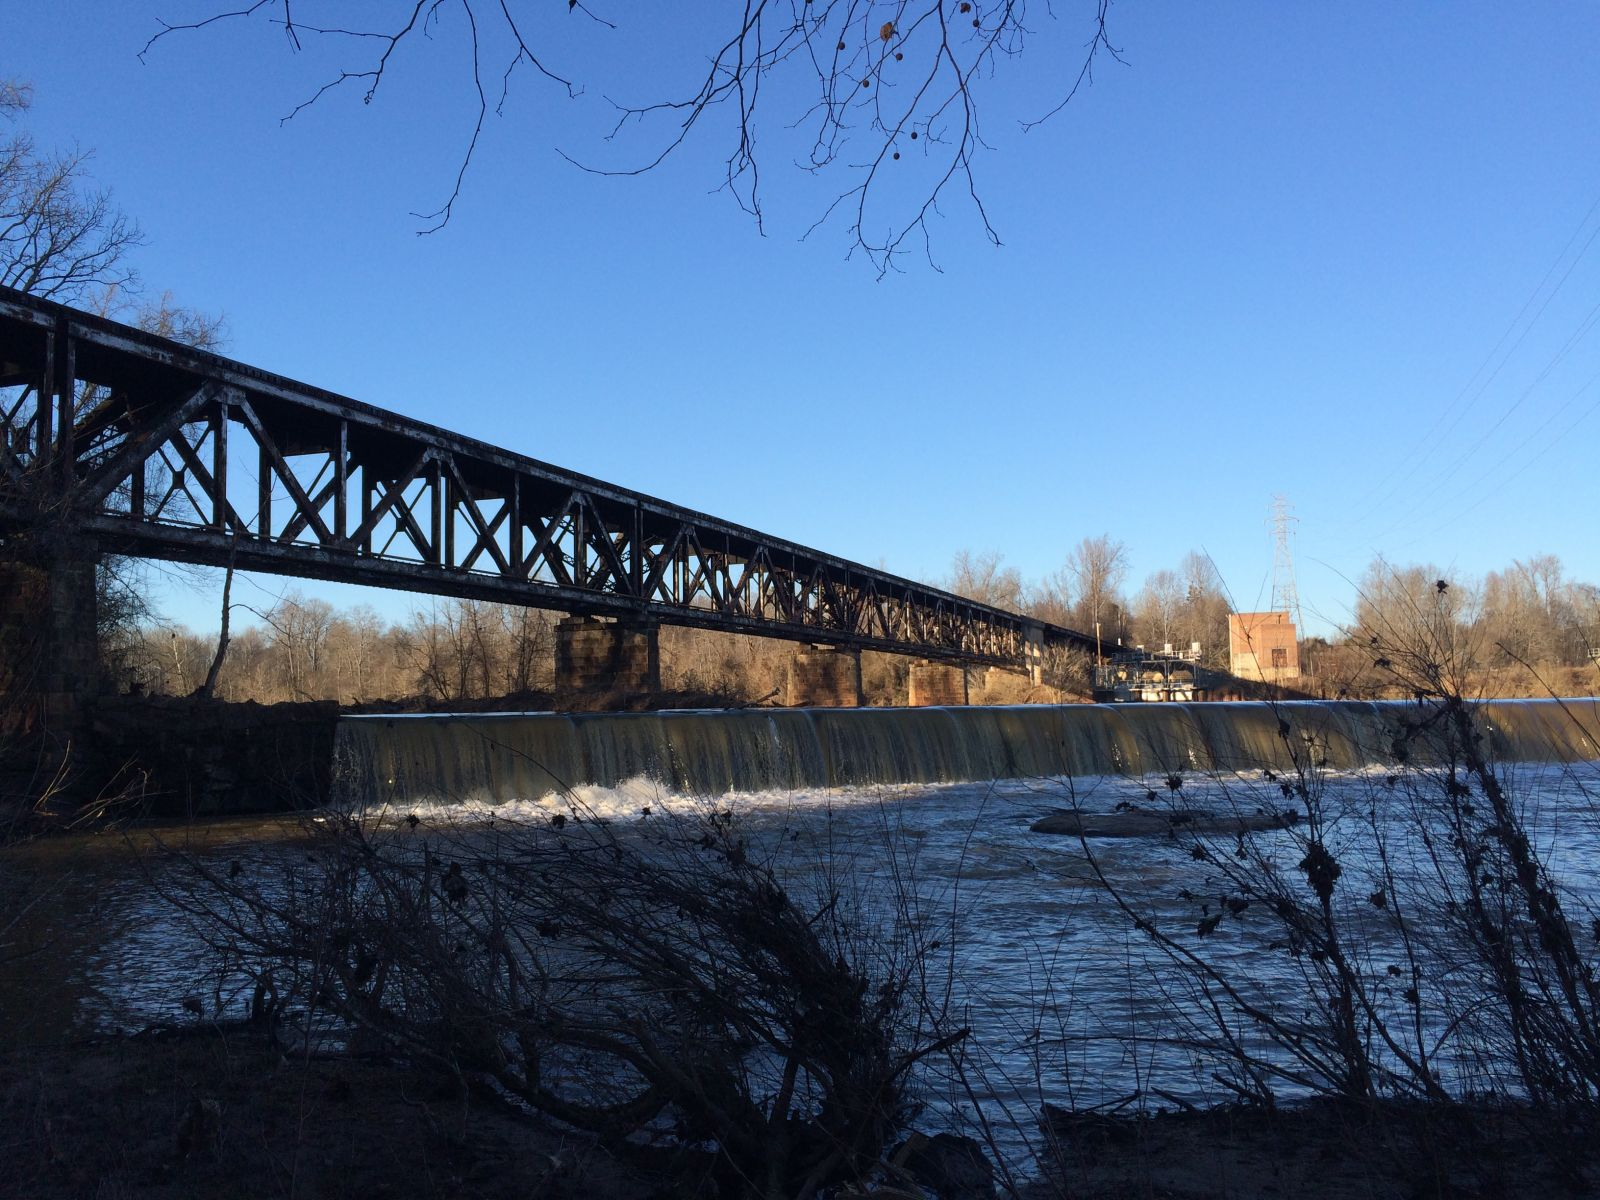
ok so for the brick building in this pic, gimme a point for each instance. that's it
(1263, 646)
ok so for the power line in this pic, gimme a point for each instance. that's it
(1413, 461)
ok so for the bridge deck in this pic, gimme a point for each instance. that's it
(156, 449)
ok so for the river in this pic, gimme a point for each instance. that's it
(1068, 1002)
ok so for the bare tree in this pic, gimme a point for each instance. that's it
(60, 237)
(529, 639)
(980, 577)
(1097, 566)
(683, 990)
(300, 629)
(360, 636)
(1203, 617)
(1159, 605)
(881, 97)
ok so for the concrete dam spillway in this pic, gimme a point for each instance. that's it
(524, 756)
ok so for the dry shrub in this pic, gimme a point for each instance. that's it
(662, 988)
(1434, 953)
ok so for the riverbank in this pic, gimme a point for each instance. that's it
(196, 1115)
(226, 1115)
(102, 941)
(1330, 1150)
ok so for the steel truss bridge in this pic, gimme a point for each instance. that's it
(141, 445)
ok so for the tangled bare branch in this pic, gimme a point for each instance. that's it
(859, 86)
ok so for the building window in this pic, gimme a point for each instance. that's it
(1280, 658)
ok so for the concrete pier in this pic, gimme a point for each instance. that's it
(825, 677)
(1033, 652)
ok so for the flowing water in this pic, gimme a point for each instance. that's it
(1068, 1004)
(523, 756)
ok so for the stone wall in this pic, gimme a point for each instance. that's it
(187, 757)
(49, 655)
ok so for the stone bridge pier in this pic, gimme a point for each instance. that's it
(597, 657)
(937, 683)
(825, 677)
(49, 648)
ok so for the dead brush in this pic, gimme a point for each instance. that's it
(1426, 957)
(666, 993)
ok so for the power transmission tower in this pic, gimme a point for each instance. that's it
(1285, 596)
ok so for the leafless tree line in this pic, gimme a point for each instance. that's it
(303, 648)
(1526, 623)
(1525, 630)
(1527, 613)
(1178, 606)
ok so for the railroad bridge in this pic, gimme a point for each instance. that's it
(116, 441)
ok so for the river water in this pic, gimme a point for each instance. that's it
(1068, 1002)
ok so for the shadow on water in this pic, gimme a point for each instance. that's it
(86, 944)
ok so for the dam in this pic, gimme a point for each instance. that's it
(525, 756)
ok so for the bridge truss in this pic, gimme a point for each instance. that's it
(148, 447)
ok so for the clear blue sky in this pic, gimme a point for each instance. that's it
(1270, 253)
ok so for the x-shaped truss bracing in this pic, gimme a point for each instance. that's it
(153, 448)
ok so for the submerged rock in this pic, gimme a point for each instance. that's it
(1142, 822)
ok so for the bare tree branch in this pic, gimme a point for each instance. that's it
(59, 237)
(881, 76)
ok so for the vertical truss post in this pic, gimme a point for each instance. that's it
(580, 548)
(515, 540)
(341, 483)
(66, 392)
(43, 409)
(435, 511)
(136, 505)
(264, 497)
(450, 501)
(636, 554)
(219, 466)
(369, 490)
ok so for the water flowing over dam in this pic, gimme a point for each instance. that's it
(523, 756)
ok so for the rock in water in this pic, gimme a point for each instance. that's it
(1158, 822)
